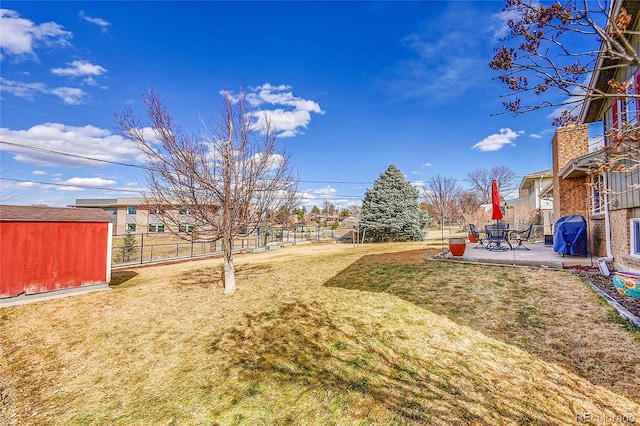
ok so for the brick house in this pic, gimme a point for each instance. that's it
(609, 201)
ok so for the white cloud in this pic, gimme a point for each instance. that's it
(20, 89)
(496, 141)
(90, 81)
(418, 184)
(68, 95)
(290, 114)
(273, 162)
(87, 141)
(79, 68)
(427, 164)
(103, 24)
(69, 189)
(323, 192)
(535, 136)
(311, 197)
(19, 36)
(500, 23)
(93, 182)
(38, 172)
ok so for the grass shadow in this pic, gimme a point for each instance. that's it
(301, 346)
(212, 276)
(534, 309)
(119, 278)
(337, 366)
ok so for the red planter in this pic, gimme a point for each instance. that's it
(457, 246)
(473, 238)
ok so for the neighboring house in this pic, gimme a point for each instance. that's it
(609, 201)
(44, 249)
(531, 204)
(133, 215)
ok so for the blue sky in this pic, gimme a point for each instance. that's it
(354, 86)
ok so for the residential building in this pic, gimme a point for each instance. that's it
(532, 206)
(609, 201)
(135, 216)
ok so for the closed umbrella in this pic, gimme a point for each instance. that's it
(496, 213)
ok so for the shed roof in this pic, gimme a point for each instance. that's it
(51, 214)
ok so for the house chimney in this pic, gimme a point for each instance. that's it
(569, 142)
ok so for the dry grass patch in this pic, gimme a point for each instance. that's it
(318, 334)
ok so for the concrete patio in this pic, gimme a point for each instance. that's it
(538, 254)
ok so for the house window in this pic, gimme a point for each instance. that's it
(130, 227)
(597, 194)
(156, 227)
(186, 228)
(624, 111)
(635, 237)
(132, 210)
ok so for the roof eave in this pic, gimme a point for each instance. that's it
(580, 166)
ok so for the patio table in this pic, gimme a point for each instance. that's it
(497, 235)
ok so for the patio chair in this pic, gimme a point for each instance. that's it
(521, 237)
(496, 236)
(474, 231)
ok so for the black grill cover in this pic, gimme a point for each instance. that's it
(570, 235)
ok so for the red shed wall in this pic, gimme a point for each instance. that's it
(42, 256)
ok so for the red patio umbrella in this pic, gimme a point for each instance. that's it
(496, 213)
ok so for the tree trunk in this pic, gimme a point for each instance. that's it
(229, 278)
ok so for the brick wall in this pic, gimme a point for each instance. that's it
(620, 244)
(569, 195)
(619, 220)
(596, 237)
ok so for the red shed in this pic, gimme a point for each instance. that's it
(49, 248)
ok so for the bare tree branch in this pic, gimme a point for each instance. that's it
(539, 56)
(480, 180)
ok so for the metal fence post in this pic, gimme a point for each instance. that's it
(141, 247)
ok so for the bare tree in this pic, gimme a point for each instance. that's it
(443, 195)
(541, 57)
(328, 208)
(224, 182)
(470, 207)
(542, 66)
(469, 201)
(480, 180)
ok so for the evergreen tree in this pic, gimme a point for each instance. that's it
(390, 210)
(129, 247)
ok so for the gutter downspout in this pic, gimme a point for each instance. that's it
(602, 261)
